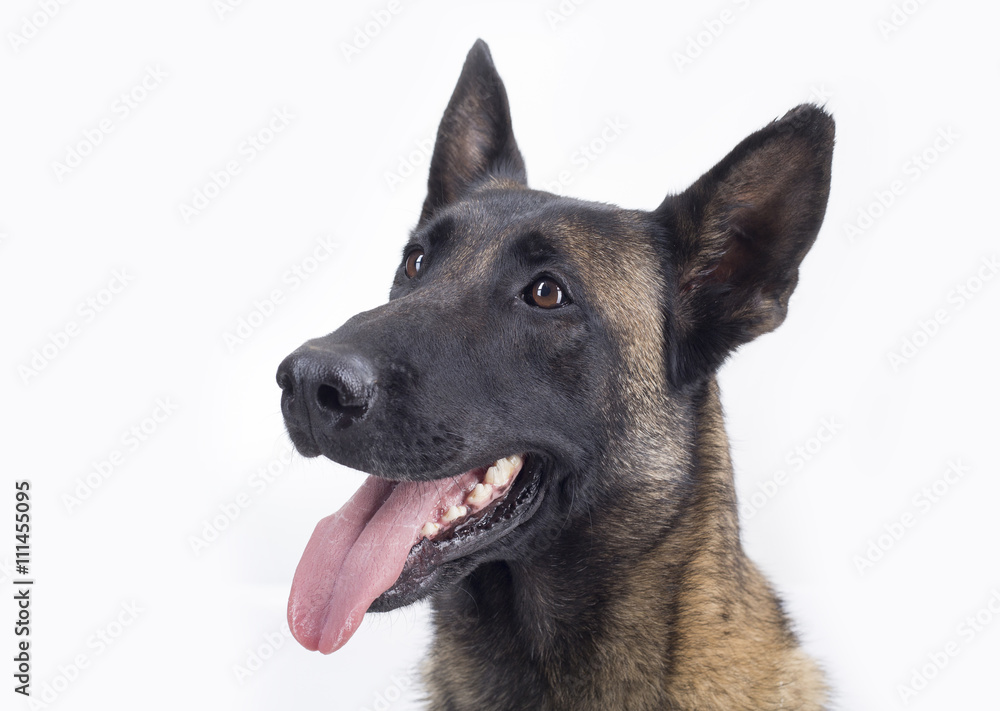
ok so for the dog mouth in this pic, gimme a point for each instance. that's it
(390, 543)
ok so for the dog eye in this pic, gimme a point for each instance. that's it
(414, 262)
(545, 293)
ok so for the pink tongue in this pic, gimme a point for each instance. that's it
(357, 554)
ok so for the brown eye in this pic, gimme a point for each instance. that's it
(545, 293)
(414, 261)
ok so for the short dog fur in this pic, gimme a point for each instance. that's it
(587, 338)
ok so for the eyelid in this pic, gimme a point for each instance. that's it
(561, 279)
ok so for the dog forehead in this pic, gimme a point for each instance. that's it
(541, 227)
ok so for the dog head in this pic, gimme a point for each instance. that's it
(526, 336)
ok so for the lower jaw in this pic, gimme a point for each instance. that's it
(432, 562)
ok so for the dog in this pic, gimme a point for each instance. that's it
(538, 410)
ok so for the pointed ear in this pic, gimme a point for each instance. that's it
(475, 139)
(737, 236)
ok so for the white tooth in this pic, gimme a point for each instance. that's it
(479, 495)
(453, 513)
(515, 461)
(492, 475)
(429, 529)
(504, 470)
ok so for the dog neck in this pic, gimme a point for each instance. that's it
(647, 601)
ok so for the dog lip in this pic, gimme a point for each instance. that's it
(303, 441)
(428, 559)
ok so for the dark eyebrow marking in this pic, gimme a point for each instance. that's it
(433, 238)
(438, 233)
(533, 249)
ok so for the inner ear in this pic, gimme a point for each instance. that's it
(738, 235)
(475, 140)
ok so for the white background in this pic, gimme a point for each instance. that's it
(127, 539)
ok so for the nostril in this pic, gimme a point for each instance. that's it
(342, 403)
(328, 398)
(285, 382)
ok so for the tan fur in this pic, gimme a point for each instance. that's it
(628, 290)
(730, 648)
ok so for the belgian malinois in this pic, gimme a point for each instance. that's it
(538, 410)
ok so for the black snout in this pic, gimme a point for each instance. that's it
(323, 387)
